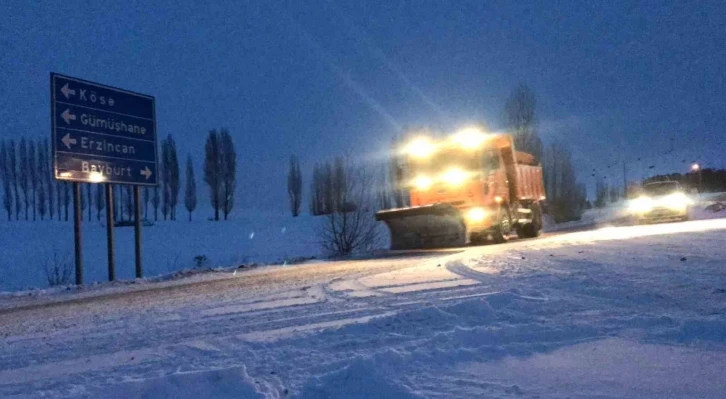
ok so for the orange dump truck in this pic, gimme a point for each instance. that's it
(470, 187)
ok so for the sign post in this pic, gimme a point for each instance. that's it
(109, 232)
(137, 230)
(103, 134)
(77, 232)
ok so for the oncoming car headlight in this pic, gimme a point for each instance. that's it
(641, 205)
(676, 201)
(476, 215)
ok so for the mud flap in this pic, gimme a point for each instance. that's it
(430, 226)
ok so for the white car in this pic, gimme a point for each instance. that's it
(664, 201)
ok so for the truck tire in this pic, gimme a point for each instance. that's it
(534, 228)
(503, 229)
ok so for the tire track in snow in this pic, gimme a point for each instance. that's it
(460, 269)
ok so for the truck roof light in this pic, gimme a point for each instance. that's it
(420, 148)
(470, 138)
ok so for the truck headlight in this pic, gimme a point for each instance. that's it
(476, 215)
(455, 176)
(641, 205)
(470, 138)
(422, 183)
(420, 148)
(676, 202)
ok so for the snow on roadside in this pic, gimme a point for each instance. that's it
(225, 383)
(168, 247)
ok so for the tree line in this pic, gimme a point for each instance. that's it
(709, 180)
(30, 192)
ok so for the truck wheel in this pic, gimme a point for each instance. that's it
(534, 228)
(503, 229)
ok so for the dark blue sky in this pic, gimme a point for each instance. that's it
(618, 80)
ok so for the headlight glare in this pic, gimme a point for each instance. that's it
(641, 205)
(455, 177)
(476, 215)
(420, 148)
(422, 183)
(677, 201)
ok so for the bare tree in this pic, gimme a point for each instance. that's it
(66, 197)
(146, 198)
(212, 170)
(90, 201)
(49, 179)
(58, 269)
(5, 174)
(23, 176)
(100, 201)
(614, 194)
(170, 177)
(294, 186)
(190, 194)
(228, 172)
(317, 192)
(59, 188)
(395, 174)
(520, 119)
(565, 196)
(32, 174)
(41, 186)
(130, 205)
(350, 227)
(84, 200)
(118, 205)
(601, 193)
(155, 201)
(41, 201)
(13, 172)
(384, 190)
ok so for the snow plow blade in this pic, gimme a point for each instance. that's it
(425, 227)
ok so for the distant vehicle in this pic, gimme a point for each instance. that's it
(470, 187)
(664, 201)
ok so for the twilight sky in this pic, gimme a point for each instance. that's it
(618, 80)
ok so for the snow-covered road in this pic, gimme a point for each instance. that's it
(620, 312)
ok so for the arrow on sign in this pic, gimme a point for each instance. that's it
(146, 172)
(67, 140)
(67, 91)
(68, 116)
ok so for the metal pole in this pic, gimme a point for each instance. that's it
(700, 180)
(77, 232)
(109, 233)
(137, 230)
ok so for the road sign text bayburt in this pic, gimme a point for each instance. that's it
(101, 133)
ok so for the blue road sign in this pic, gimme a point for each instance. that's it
(102, 134)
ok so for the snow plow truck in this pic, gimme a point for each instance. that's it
(471, 187)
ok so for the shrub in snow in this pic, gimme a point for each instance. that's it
(58, 269)
(200, 261)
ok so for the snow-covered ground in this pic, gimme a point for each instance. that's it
(167, 246)
(634, 312)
